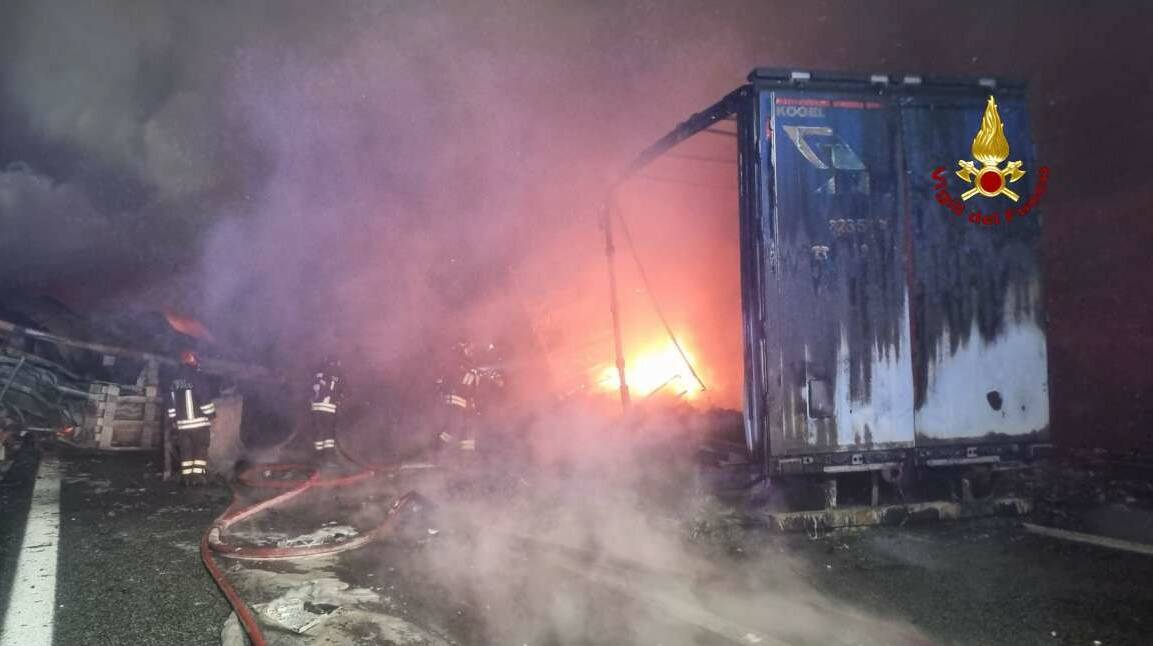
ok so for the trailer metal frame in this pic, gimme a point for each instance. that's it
(764, 259)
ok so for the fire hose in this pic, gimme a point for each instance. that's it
(259, 477)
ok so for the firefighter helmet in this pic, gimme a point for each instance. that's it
(489, 354)
(189, 358)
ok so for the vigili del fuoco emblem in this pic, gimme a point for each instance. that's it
(990, 148)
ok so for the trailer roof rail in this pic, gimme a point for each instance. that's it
(778, 76)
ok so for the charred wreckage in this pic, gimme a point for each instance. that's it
(878, 335)
(881, 334)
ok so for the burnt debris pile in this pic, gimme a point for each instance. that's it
(89, 382)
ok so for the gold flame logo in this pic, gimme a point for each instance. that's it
(990, 147)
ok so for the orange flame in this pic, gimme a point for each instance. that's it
(656, 369)
(188, 326)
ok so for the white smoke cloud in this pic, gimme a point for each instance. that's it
(586, 539)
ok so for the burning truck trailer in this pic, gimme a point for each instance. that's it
(870, 333)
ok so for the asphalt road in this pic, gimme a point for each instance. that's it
(129, 574)
(988, 582)
(972, 583)
(15, 498)
(128, 570)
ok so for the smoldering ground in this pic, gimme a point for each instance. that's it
(578, 529)
(364, 174)
(590, 538)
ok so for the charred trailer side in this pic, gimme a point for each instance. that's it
(882, 329)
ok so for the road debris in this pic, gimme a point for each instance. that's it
(325, 610)
(295, 614)
(323, 536)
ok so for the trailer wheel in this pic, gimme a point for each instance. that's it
(977, 483)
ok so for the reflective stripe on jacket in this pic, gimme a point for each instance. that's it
(187, 404)
(327, 389)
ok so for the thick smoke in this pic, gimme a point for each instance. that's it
(411, 168)
(30, 203)
(272, 163)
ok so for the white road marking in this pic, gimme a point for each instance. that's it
(31, 610)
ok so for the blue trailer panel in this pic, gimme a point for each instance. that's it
(883, 327)
(839, 327)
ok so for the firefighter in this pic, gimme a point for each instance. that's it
(490, 382)
(465, 393)
(327, 391)
(192, 411)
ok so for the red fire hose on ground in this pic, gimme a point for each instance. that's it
(259, 477)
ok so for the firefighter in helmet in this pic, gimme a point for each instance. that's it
(465, 392)
(192, 411)
(327, 393)
(489, 388)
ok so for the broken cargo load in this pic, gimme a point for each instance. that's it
(878, 327)
(89, 393)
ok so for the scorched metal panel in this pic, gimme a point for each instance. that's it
(838, 332)
(980, 368)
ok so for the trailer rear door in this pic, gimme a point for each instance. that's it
(838, 303)
(980, 371)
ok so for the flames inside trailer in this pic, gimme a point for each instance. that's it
(784, 253)
(676, 258)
